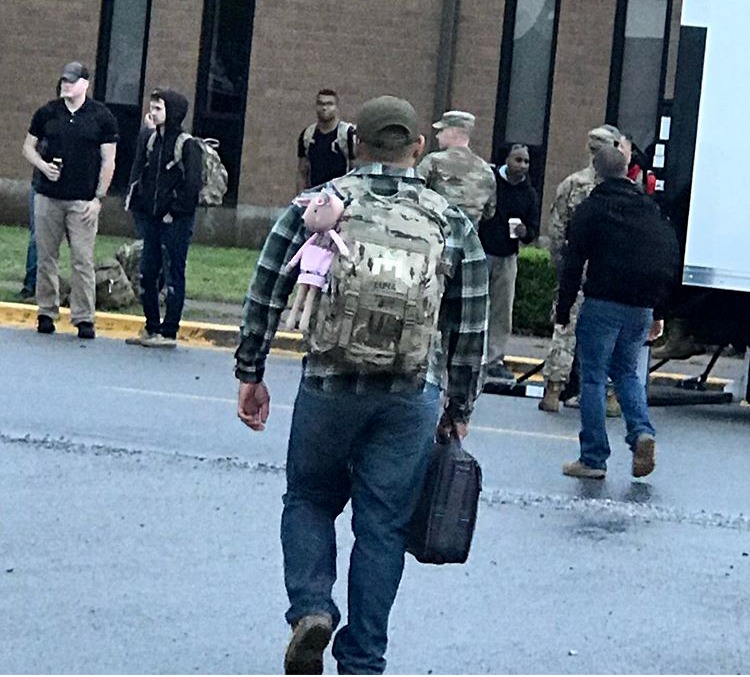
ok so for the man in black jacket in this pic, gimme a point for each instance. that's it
(633, 259)
(164, 186)
(516, 218)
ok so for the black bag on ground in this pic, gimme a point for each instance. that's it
(442, 526)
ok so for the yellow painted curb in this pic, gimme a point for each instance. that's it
(207, 334)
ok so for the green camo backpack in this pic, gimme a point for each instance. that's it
(113, 288)
(213, 173)
(380, 309)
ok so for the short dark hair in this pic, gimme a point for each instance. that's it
(156, 94)
(394, 145)
(327, 92)
(517, 146)
(609, 162)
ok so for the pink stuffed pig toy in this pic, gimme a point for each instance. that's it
(321, 217)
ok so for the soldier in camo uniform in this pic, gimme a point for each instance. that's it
(573, 190)
(457, 172)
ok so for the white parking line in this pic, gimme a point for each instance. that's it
(521, 433)
(186, 396)
(289, 407)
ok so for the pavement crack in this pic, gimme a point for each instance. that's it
(68, 446)
(621, 509)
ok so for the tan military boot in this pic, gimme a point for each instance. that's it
(679, 344)
(613, 405)
(551, 399)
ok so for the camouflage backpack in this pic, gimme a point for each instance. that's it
(213, 173)
(113, 288)
(380, 309)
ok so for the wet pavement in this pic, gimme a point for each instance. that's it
(139, 531)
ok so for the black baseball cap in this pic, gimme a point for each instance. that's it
(377, 114)
(73, 71)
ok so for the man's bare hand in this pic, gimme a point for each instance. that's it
(447, 427)
(521, 230)
(253, 405)
(657, 329)
(91, 209)
(51, 171)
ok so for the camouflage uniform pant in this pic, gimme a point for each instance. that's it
(559, 360)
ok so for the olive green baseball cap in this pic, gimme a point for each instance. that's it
(382, 112)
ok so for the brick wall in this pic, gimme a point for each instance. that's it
(579, 92)
(359, 49)
(174, 44)
(477, 65)
(38, 38)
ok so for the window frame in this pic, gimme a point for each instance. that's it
(103, 46)
(499, 141)
(617, 62)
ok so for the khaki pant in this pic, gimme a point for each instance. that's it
(55, 219)
(503, 271)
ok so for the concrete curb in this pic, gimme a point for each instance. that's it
(209, 335)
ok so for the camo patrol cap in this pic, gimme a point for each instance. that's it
(455, 118)
(599, 137)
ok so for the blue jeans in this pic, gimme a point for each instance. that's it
(175, 238)
(610, 336)
(29, 280)
(372, 449)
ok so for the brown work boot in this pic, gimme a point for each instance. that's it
(310, 637)
(613, 405)
(551, 399)
(680, 344)
(582, 471)
(644, 455)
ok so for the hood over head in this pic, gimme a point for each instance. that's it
(176, 107)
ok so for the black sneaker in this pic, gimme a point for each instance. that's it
(45, 324)
(500, 372)
(27, 293)
(86, 330)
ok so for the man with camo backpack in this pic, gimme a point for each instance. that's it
(403, 315)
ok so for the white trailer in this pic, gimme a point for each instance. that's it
(705, 147)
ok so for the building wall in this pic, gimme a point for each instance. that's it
(36, 44)
(579, 91)
(476, 66)
(300, 47)
(174, 45)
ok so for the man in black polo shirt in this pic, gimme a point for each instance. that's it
(71, 143)
(325, 149)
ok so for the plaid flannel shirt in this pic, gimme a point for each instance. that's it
(458, 359)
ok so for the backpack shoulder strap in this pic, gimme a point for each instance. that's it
(178, 146)
(344, 138)
(308, 135)
(150, 143)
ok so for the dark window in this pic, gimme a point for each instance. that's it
(525, 82)
(639, 56)
(120, 73)
(221, 95)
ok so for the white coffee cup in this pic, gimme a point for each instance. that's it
(512, 225)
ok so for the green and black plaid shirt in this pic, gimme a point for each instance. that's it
(459, 355)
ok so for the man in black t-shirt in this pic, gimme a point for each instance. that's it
(71, 143)
(325, 149)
